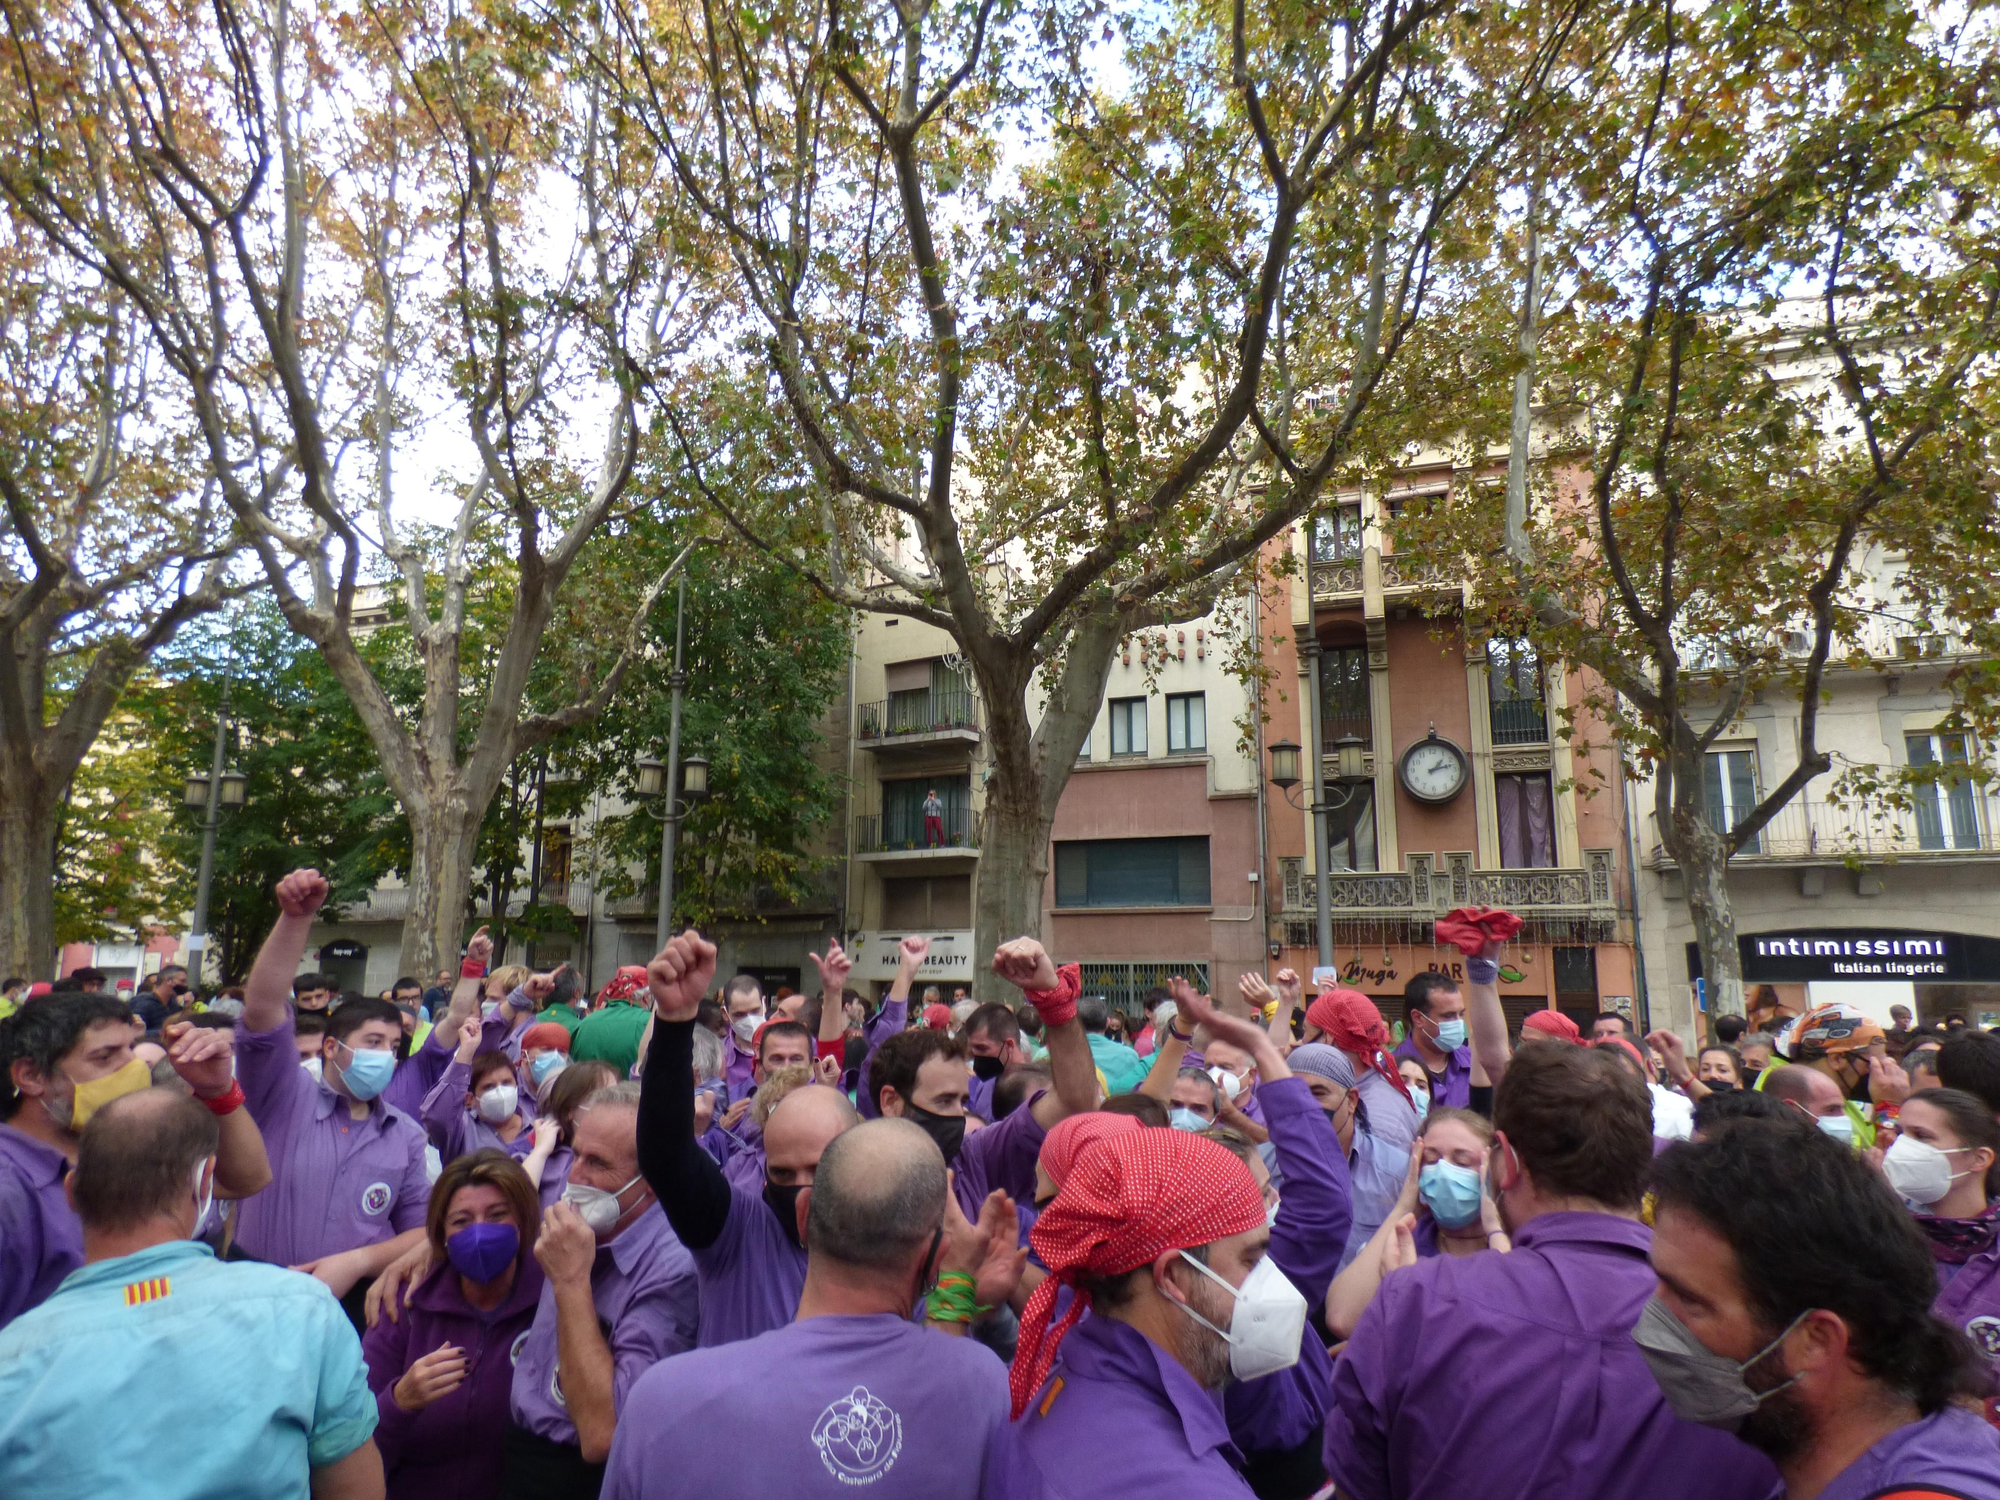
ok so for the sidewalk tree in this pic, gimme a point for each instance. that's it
(362, 241)
(1765, 350)
(110, 543)
(1030, 293)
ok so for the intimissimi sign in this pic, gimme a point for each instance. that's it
(1862, 953)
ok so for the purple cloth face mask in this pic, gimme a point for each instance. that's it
(483, 1252)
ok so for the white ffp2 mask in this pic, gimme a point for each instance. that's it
(1267, 1323)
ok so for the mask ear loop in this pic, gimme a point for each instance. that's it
(1791, 1380)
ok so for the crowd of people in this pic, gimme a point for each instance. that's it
(492, 1237)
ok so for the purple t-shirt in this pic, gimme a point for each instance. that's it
(1119, 1416)
(450, 1449)
(457, 1129)
(1522, 1365)
(1971, 1301)
(832, 1406)
(890, 1019)
(751, 1276)
(644, 1288)
(41, 1238)
(337, 1183)
(1000, 1156)
(1451, 1088)
(1954, 1452)
(738, 1071)
(417, 1075)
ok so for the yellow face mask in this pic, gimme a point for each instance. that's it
(90, 1097)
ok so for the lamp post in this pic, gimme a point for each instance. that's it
(1350, 766)
(658, 780)
(218, 789)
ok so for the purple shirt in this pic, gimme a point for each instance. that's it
(745, 1169)
(1281, 1410)
(337, 1183)
(1119, 1418)
(737, 1071)
(457, 1129)
(644, 1288)
(1971, 1301)
(751, 1277)
(979, 1098)
(1000, 1156)
(41, 1238)
(1453, 1087)
(1953, 1451)
(1516, 1375)
(890, 1019)
(417, 1075)
(830, 1407)
(449, 1449)
(555, 1176)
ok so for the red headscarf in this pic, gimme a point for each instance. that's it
(1471, 928)
(1353, 1024)
(627, 984)
(1552, 1023)
(1072, 1135)
(545, 1034)
(1128, 1200)
(937, 1017)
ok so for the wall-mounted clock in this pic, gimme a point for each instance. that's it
(1433, 770)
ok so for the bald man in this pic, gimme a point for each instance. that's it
(1812, 1094)
(890, 1404)
(749, 1247)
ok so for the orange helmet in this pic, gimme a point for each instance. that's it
(1833, 1030)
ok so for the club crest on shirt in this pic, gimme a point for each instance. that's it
(520, 1343)
(555, 1386)
(858, 1437)
(376, 1198)
(1985, 1336)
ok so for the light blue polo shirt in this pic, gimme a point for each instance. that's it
(169, 1374)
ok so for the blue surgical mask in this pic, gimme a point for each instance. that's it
(368, 1072)
(545, 1065)
(1451, 1034)
(1422, 1099)
(1839, 1126)
(1187, 1119)
(1450, 1192)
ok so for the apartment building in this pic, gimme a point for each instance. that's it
(1833, 900)
(1457, 786)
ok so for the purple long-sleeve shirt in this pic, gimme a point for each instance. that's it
(41, 1238)
(337, 1183)
(890, 1019)
(457, 1129)
(450, 1449)
(1517, 1375)
(643, 1285)
(417, 1075)
(1282, 1410)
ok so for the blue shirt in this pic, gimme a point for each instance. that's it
(1123, 1069)
(263, 1361)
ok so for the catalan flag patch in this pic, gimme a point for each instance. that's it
(152, 1289)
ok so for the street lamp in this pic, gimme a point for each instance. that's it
(220, 788)
(656, 779)
(1350, 755)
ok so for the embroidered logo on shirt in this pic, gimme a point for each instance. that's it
(152, 1289)
(1985, 1336)
(555, 1388)
(376, 1197)
(858, 1438)
(520, 1343)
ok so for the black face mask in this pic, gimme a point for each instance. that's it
(784, 1202)
(947, 1130)
(988, 1068)
(1721, 1086)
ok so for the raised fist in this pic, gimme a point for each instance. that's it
(1025, 964)
(911, 953)
(302, 893)
(833, 969)
(679, 976)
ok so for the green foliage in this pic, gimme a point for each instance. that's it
(110, 886)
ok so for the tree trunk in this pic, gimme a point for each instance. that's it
(444, 842)
(1703, 858)
(27, 873)
(1013, 869)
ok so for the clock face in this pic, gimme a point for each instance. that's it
(1433, 770)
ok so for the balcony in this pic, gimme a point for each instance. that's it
(918, 719)
(1946, 830)
(1336, 580)
(1566, 905)
(901, 841)
(1519, 721)
(1339, 580)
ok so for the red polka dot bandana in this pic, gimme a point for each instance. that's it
(1075, 1134)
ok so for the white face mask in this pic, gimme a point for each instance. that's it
(1267, 1323)
(597, 1208)
(746, 1027)
(1918, 1170)
(312, 1065)
(204, 1194)
(1230, 1083)
(498, 1102)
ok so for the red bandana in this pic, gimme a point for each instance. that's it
(1471, 928)
(1074, 1134)
(627, 984)
(1552, 1023)
(1353, 1024)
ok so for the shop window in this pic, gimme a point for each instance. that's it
(1132, 872)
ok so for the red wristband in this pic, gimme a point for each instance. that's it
(223, 1104)
(471, 968)
(1057, 1007)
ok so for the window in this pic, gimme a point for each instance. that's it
(1132, 872)
(1187, 723)
(1343, 694)
(905, 824)
(1128, 726)
(1731, 778)
(1947, 809)
(1350, 829)
(1336, 536)
(1525, 810)
(552, 883)
(1515, 693)
(927, 904)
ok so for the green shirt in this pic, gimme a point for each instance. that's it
(564, 1016)
(610, 1035)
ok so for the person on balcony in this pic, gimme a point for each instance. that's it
(933, 819)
